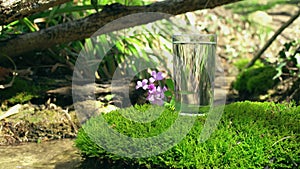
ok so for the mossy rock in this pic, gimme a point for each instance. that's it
(249, 135)
(255, 81)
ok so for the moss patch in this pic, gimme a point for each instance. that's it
(22, 91)
(249, 135)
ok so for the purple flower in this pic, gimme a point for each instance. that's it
(159, 102)
(142, 84)
(165, 88)
(156, 95)
(152, 88)
(157, 76)
(155, 98)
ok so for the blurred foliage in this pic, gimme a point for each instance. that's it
(59, 14)
(288, 64)
(258, 79)
(126, 49)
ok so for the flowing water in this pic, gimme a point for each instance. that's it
(58, 154)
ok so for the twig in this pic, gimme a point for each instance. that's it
(14, 73)
(270, 41)
(70, 120)
(284, 138)
(294, 93)
(13, 110)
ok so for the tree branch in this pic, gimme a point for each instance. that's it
(12, 10)
(84, 28)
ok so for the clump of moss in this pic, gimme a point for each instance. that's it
(255, 81)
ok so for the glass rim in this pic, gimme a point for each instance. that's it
(194, 38)
(194, 34)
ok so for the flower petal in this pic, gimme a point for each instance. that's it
(145, 81)
(159, 76)
(151, 80)
(139, 84)
(153, 74)
(152, 88)
(145, 87)
(165, 89)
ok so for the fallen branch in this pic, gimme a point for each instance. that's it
(84, 28)
(12, 10)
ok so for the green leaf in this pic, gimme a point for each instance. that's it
(297, 56)
(30, 25)
(170, 84)
(168, 93)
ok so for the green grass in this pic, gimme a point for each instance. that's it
(249, 135)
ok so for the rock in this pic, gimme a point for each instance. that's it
(261, 18)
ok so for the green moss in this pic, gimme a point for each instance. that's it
(242, 63)
(249, 135)
(124, 121)
(21, 91)
(21, 97)
(255, 81)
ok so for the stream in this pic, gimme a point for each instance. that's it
(58, 154)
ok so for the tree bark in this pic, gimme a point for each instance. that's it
(12, 10)
(84, 28)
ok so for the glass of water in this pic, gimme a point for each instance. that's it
(194, 71)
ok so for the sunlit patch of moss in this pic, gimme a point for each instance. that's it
(22, 91)
(241, 64)
(21, 98)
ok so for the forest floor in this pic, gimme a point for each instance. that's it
(240, 36)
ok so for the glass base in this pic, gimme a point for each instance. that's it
(192, 110)
(192, 114)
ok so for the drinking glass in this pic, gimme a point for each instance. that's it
(194, 71)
